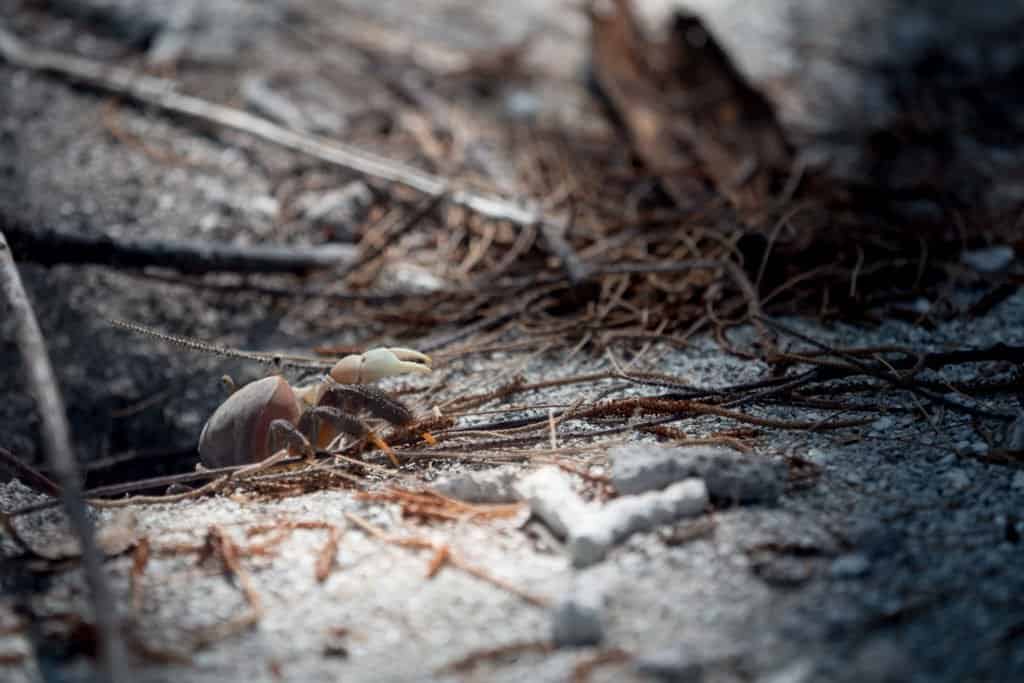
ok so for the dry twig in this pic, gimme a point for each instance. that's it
(49, 247)
(57, 446)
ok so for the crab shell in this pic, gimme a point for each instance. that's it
(236, 433)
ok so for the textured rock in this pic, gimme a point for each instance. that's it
(592, 530)
(730, 476)
(578, 619)
(673, 665)
(989, 259)
(487, 486)
(340, 210)
(850, 566)
(1014, 440)
(620, 518)
(551, 497)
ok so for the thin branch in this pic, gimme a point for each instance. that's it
(50, 247)
(28, 475)
(57, 445)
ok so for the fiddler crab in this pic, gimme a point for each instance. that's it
(268, 415)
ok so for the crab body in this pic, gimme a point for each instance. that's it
(269, 414)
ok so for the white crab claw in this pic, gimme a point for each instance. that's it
(377, 364)
(409, 355)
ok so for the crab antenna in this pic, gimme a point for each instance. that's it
(274, 359)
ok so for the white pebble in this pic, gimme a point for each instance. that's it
(989, 259)
(955, 481)
(488, 486)
(551, 498)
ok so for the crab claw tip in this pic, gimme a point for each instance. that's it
(411, 355)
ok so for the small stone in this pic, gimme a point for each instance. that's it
(798, 671)
(266, 205)
(874, 539)
(850, 566)
(1014, 439)
(673, 665)
(730, 476)
(341, 209)
(1017, 483)
(209, 222)
(882, 660)
(412, 277)
(521, 104)
(590, 541)
(921, 305)
(989, 259)
(488, 486)
(883, 424)
(552, 499)
(817, 456)
(578, 619)
(955, 481)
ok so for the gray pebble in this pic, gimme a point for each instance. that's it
(881, 660)
(552, 498)
(673, 665)
(883, 424)
(578, 619)
(1014, 440)
(850, 566)
(955, 481)
(730, 476)
(988, 259)
(488, 486)
(342, 209)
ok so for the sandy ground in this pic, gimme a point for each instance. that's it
(901, 562)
